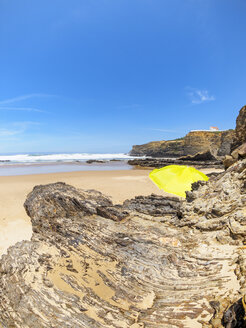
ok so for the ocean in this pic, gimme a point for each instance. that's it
(37, 163)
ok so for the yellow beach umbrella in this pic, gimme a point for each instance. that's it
(176, 179)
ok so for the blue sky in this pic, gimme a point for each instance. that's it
(102, 75)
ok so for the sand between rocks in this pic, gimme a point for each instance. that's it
(118, 185)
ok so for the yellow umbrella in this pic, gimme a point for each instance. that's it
(176, 179)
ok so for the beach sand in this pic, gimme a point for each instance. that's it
(119, 185)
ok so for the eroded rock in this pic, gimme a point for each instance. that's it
(154, 205)
(240, 131)
(92, 264)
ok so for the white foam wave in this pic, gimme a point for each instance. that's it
(31, 158)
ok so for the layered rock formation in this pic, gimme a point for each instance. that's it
(151, 262)
(240, 131)
(239, 141)
(217, 142)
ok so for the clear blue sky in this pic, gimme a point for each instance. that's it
(102, 75)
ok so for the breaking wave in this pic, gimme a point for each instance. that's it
(34, 158)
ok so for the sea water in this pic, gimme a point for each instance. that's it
(36, 163)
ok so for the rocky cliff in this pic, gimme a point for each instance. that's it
(239, 140)
(217, 142)
(240, 131)
(151, 262)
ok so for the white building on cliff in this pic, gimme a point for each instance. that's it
(211, 129)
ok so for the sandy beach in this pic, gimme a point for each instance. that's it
(14, 222)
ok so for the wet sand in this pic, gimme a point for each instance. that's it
(118, 184)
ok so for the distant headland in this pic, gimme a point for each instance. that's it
(196, 141)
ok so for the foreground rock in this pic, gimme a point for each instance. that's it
(217, 142)
(152, 262)
(154, 205)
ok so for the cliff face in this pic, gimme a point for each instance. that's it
(217, 142)
(240, 131)
(239, 141)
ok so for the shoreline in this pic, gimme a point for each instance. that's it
(20, 169)
(16, 169)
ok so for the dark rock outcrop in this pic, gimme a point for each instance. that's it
(91, 161)
(217, 142)
(234, 316)
(161, 162)
(164, 263)
(154, 205)
(204, 156)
